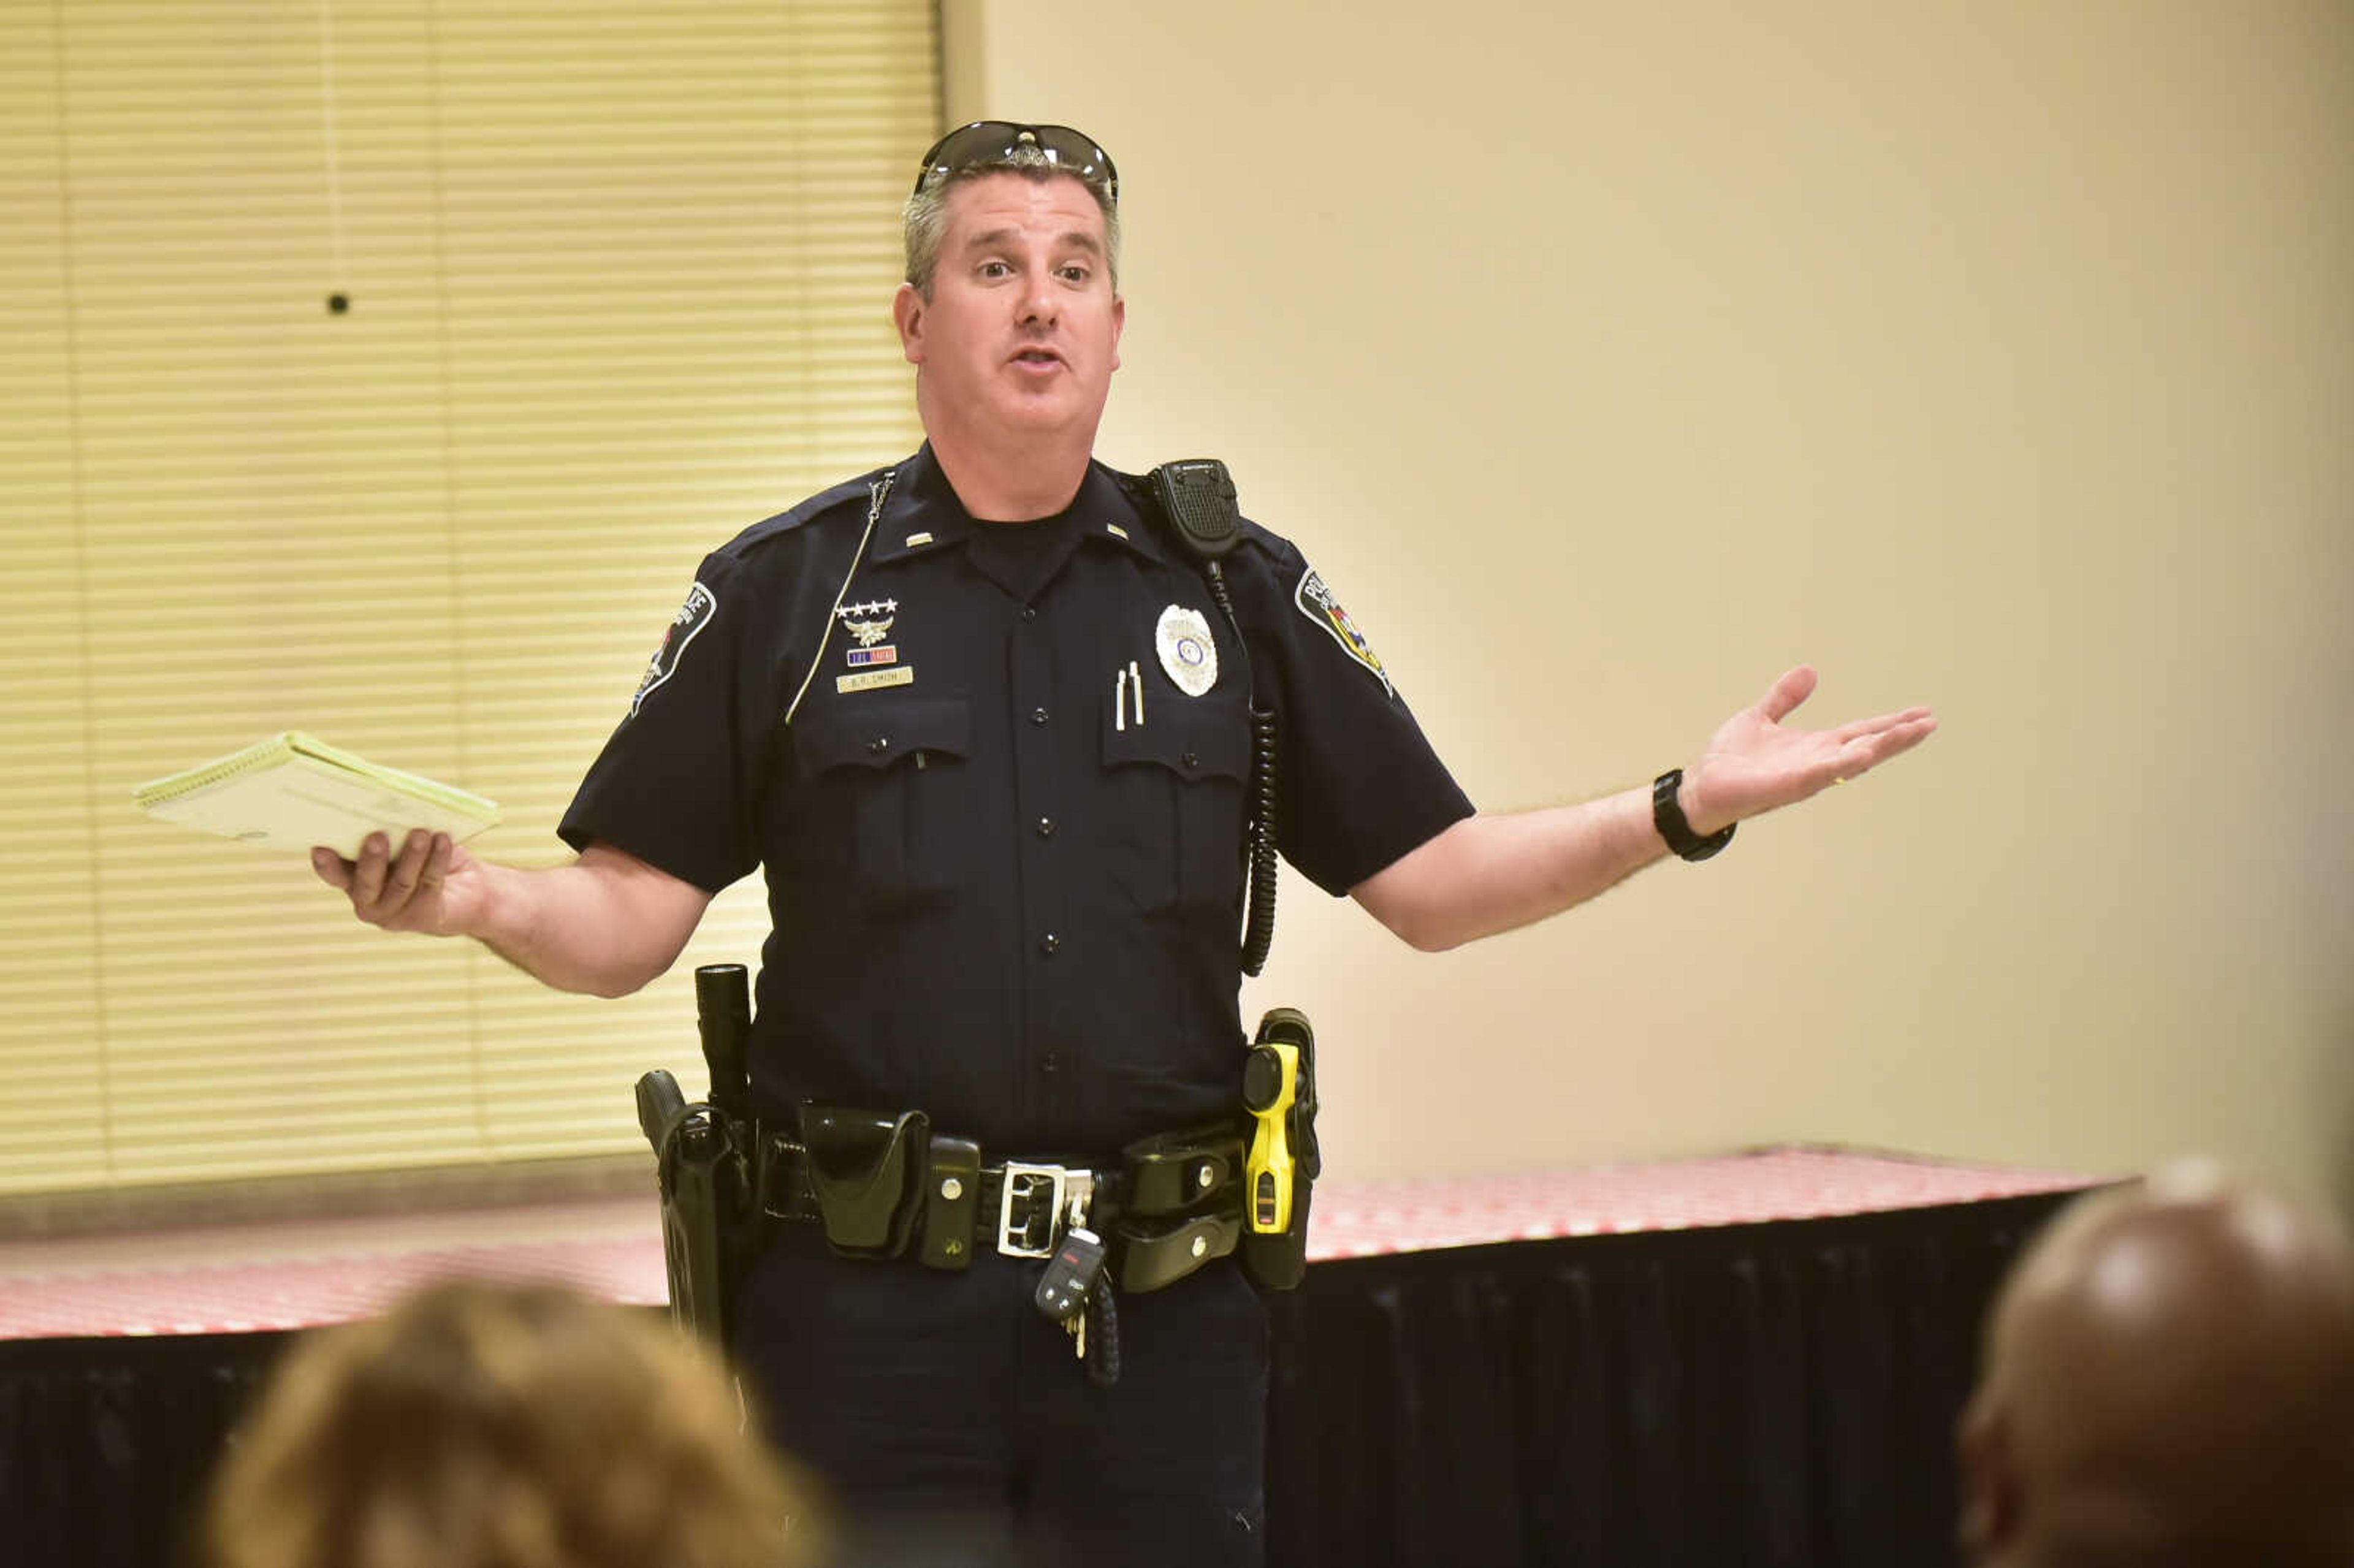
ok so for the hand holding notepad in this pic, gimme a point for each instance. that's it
(294, 792)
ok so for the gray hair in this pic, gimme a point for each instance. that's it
(924, 221)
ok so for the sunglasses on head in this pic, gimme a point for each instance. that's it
(991, 141)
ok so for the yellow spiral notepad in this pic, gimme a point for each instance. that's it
(294, 791)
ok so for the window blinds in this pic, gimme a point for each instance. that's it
(383, 368)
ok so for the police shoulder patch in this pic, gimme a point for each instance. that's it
(1316, 602)
(691, 617)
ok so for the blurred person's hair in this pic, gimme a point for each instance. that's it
(479, 1425)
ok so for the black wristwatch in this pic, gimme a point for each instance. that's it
(1667, 816)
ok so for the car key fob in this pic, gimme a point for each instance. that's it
(1071, 1274)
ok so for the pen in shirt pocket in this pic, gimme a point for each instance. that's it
(1127, 695)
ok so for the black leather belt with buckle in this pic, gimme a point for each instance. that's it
(1022, 1204)
(1020, 1208)
(1032, 1204)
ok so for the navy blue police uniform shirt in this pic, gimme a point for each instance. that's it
(1003, 841)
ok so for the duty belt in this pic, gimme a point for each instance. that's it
(1175, 1204)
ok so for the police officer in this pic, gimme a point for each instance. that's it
(985, 726)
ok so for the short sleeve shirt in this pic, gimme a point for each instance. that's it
(996, 776)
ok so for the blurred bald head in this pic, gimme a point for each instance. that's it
(2168, 1379)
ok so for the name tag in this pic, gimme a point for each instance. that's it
(905, 675)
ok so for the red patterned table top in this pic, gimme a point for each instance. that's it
(1367, 1219)
(235, 1280)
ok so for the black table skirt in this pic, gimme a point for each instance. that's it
(1756, 1395)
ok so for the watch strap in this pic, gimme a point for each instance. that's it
(1667, 816)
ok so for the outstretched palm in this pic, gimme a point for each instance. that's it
(1754, 764)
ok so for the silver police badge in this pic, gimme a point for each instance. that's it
(1187, 649)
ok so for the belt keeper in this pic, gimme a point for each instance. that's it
(1177, 1173)
(951, 1199)
(1150, 1259)
(785, 1193)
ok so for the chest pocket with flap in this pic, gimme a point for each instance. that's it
(1175, 787)
(884, 777)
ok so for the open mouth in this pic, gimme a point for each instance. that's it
(1038, 358)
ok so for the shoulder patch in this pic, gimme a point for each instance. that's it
(1316, 602)
(691, 617)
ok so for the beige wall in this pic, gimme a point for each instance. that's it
(1608, 359)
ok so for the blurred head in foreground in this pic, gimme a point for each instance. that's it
(491, 1426)
(2168, 1381)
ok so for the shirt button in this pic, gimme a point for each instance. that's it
(1190, 759)
(1029, 612)
(1037, 715)
(1050, 1064)
(879, 744)
(1045, 827)
(1048, 943)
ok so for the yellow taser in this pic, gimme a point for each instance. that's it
(1271, 1085)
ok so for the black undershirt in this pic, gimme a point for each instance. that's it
(1021, 557)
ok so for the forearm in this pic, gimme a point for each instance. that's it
(596, 926)
(1490, 873)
